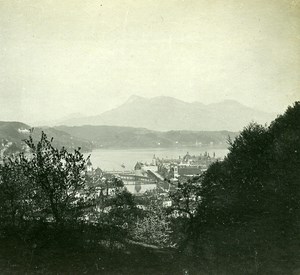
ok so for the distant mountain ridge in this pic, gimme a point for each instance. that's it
(13, 134)
(129, 137)
(167, 113)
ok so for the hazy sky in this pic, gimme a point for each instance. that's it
(64, 56)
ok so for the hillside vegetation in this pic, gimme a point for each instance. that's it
(247, 220)
(129, 137)
(13, 134)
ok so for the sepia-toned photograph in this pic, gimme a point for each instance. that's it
(144, 137)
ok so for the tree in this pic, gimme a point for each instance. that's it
(154, 227)
(185, 200)
(186, 197)
(285, 179)
(49, 184)
(249, 207)
(15, 192)
(118, 214)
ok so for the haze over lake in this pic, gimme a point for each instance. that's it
(113, 159)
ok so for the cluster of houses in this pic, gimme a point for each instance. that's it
(160, 174)
(185, 167)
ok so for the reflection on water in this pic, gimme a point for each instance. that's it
(125, 159)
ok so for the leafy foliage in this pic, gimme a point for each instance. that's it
(46, 185)
(249, 207)
(155, 226)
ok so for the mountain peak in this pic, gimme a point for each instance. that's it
(134, 98)
(165, 98)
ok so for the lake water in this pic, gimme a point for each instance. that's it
(113, 159)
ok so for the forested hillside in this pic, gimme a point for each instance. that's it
(248, 216)
(13, 134)
(129, 137)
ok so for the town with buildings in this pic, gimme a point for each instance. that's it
(161, 174)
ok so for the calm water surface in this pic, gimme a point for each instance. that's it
(113, 159)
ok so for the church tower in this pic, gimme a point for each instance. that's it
(154, 162)
(89, 166)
